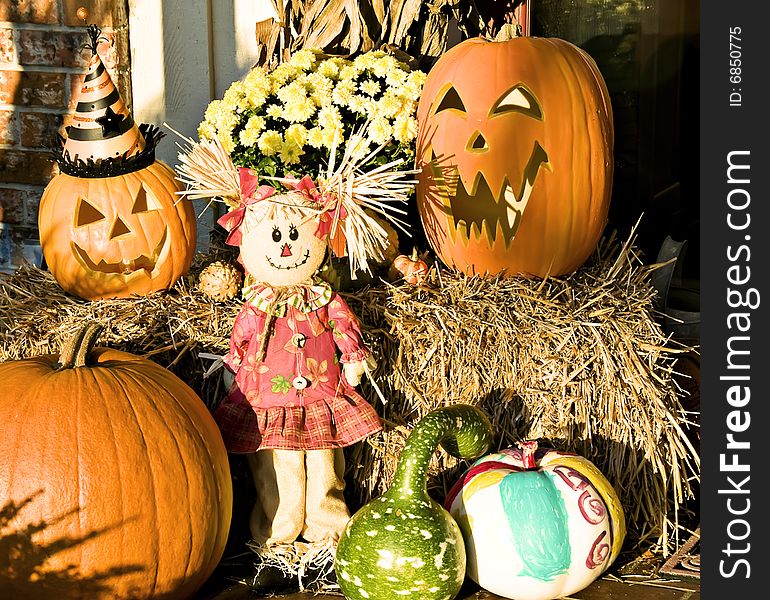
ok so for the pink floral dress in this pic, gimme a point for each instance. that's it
(296, 397)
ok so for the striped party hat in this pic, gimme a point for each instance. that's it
(102, 127)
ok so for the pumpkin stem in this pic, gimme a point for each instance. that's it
(414, 253)
(462, 429)
(75, 350)
(528, 449)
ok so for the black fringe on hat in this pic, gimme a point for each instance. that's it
(109, 167)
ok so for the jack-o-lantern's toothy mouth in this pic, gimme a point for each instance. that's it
(124, 267)
(296, 265)
(469, 212)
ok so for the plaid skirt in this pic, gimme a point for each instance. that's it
(324, 424)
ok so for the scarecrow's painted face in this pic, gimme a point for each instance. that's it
(282, 249)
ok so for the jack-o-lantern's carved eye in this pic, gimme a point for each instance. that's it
(451, 101)
(518, 99)
(145, 201)
(86, 213)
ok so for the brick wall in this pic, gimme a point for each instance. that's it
(41, 67)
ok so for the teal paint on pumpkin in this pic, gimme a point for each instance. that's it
(538, 523)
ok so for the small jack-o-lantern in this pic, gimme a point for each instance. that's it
(515, 152)
(116, 236)
(112, 223)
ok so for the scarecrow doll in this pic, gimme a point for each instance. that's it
(296, 350)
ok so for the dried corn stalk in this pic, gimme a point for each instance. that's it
(416, 27)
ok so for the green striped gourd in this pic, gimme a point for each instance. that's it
(404, 544)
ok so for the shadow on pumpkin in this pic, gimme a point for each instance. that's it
(439, 175)
(24, 572)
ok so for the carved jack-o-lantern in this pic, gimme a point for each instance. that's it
(515, 153)
(106, 237)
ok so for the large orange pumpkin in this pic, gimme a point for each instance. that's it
(115, 476)
(515, 156)
(105, 237)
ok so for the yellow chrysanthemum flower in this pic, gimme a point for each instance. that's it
(290, 153)
(315, 137)
(270, 142)
(299, 110)
(211, 110)
(343, 92)
(362, 105)
(296, 133)
(412, 88)
(282, 74)
(257, 77)
(207, 130)
(380, 131)
(234, 96)
(320, 89)
(224, 121)
(395, 78)
(370, 87)
(274, 111)
(349, 72)
(362, 62)
(250, 133)
(329, 117)
(408, 107)
(226, 141)
(256, 87)
(383, 65)
(329, 68)
(389, 105)
(303, 59)
(405, 128)
(292, 92)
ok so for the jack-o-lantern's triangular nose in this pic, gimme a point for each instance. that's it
(477, 143)
(119, 228)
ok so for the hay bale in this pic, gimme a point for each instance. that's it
(579, 362)
(171, 328)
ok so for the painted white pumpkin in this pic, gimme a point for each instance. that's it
(538, 524)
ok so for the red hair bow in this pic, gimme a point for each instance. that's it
(250, 194)
(331, 211)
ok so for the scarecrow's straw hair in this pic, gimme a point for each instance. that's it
(349, 187)
(580, 363)
(284, 205)
(207, 171)
(380, 189)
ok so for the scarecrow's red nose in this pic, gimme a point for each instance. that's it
(286, 251)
